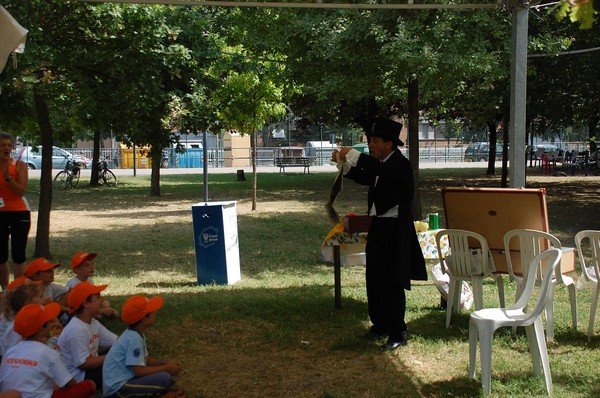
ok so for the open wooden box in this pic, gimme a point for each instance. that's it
(492, 212)
(356, 224)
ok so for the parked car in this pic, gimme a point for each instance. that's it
(480, 151)
(33, 157)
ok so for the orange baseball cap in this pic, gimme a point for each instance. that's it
(20, 281)
(137, 307)
(80, 293)
(32, 317)
(80, 257)
(37, 265)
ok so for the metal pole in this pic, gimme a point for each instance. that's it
(518, 91)
(134, 165)
(321, 135)
(204, 166)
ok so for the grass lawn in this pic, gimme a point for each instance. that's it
(276, 332)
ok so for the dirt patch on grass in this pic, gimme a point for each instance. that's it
(64, 221)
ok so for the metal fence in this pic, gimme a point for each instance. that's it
(266, 156)
(442, 154)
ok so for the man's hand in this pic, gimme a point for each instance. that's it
(340, 154)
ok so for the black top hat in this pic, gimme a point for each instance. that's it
(387, 129)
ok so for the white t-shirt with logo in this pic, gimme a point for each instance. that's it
(10, 338)
(32, 368)
(3, 328)
(80, 340)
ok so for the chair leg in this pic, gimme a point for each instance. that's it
(458, 288)
(534, 349)
(517, 295)
(573, 299)
(473, 340)
(500, 284)
(550, 315)
(593, 311)
(477, 292)
(450, 303)
(543, 353)
(485, 356)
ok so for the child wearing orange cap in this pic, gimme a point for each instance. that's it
(31, 367)
(7, 313)
(19, 293)
(42, 270)
(82, 264)
(128, 370)
(84, 335)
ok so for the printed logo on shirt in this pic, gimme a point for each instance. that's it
(21, 361)
(136, 352)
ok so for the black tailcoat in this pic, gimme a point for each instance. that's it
(390, 184)
(394, 256)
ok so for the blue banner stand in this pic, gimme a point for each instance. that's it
(216, 242)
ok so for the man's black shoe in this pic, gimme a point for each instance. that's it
(394, 343)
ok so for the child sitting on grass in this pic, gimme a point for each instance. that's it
(82, 264)
(31, 367)
(6, 312)
(19, 293)
(128, 370)
(84, 335)
(43, 270)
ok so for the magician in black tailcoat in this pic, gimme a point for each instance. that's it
(393, 253)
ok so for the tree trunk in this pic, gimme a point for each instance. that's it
(413, 141)
(156, 156)
(95, 159)
(491, 169)
(42, 237)
(254, 177)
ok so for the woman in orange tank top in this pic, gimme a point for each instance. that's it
(15, 214)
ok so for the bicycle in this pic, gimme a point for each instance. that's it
(105, 176)
(69, 176)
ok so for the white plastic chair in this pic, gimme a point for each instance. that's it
(483, 323)
(592, 274)
(531, 243)
(464, 263)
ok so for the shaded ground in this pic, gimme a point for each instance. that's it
(284, 338)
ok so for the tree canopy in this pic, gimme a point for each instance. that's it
(146, 72)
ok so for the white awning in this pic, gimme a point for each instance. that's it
(12, 36)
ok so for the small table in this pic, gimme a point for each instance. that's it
(356, 232)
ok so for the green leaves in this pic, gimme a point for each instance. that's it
(578, 11)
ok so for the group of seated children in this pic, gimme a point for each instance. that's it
(42, 359)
